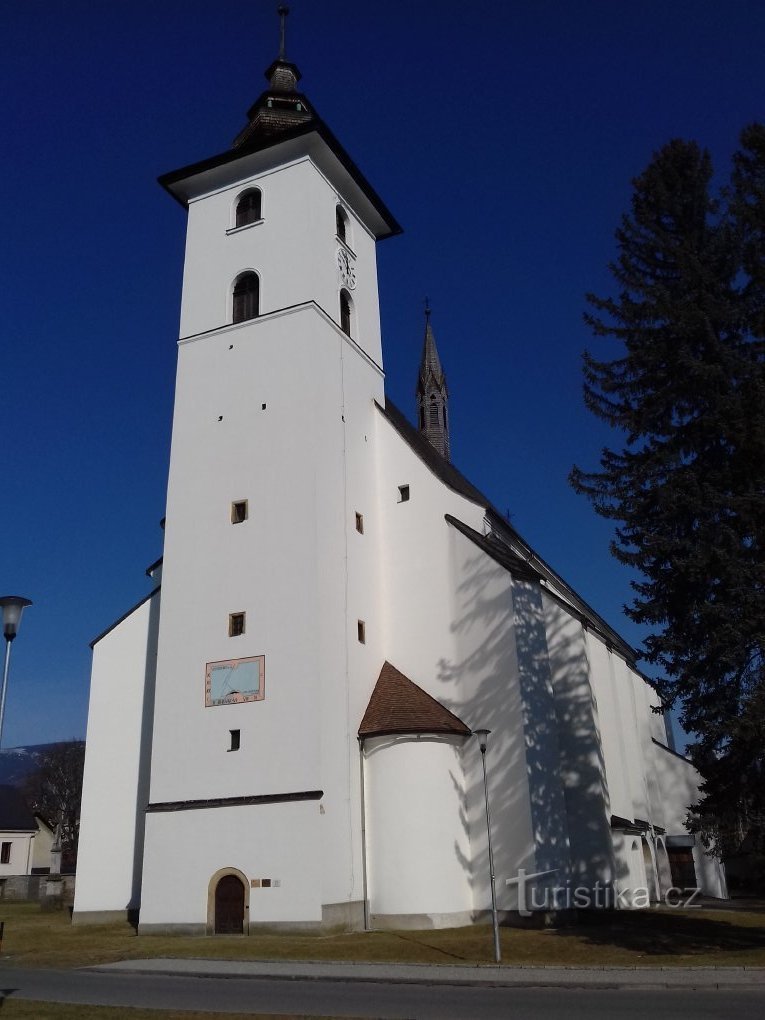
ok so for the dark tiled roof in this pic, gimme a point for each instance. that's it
(398, 705)
(14, 813)
(498, 551)
(288, 132)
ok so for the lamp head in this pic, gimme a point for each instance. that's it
(482, 735)
(12, 606)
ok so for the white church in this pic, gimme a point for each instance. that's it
(280, 733)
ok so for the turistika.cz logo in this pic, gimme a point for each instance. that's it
(601, 896)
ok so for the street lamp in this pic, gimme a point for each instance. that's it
(482, 738)
(12, 607)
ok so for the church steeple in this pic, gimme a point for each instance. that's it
(432, 393)
(281, 107)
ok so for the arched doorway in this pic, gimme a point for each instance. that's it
(229, 906)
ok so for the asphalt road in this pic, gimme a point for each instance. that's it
(375, 999)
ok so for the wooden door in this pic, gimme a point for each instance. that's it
(229, 906)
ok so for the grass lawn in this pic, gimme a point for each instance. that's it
(625, 938)
(18, 1009)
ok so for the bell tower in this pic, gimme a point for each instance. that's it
(432, 394)
(265, 576)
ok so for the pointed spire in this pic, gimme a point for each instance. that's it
(430, 363)
(432, 393)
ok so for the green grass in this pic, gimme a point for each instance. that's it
(19, 1009)
(624, 938)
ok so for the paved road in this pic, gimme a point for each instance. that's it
(389, 1000)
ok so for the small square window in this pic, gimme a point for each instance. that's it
(5, 853)
(403, 493)
(235, 738)
(239, 511)
(236, 624)
(265, 883)
(361, 631)
(360, 523)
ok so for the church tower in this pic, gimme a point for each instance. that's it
(267, 581)
(432, 394)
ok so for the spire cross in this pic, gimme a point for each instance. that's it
(282, 10)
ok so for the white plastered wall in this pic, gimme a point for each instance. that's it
(20, 853)
(293, 251)
(115, 778)
(418, 849)
(268, 841)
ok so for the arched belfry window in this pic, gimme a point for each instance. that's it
(433, 411)
(346, 312)
(341, 223)
(246, 297)
(248, 208)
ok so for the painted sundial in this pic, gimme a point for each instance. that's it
(235, 681)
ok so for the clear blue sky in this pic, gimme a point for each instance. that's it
(502, 135)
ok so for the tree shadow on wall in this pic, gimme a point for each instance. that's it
(545, 763)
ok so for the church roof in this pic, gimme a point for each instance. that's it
(420, 444)
(282, 116)
(398, 705)
(502, 551)
(15, 816)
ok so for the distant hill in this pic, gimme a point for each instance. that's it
(17, 762)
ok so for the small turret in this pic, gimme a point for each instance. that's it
(432, 393)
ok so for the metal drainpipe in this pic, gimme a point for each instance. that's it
(363, 837)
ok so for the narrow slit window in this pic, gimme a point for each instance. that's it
(341, 224)
(239, 511)
(236, 623)
(5, 853)
(345, 312)
(360, 523)
(235, 736)
(248, 207)
(361, 632)
(403, 493)
(246, 297)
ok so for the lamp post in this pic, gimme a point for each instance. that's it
(482, 738)
(12, 607)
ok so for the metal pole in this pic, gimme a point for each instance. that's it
(5, 685)
(494, 916)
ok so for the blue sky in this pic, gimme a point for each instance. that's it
(503, 136)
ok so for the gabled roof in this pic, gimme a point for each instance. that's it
(398, 705)
(15, 816)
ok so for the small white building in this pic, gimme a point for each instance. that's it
(25, 842)
(279, 734)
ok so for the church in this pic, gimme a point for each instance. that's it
(282, 733)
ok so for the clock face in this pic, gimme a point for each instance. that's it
(347, 268)
(235, 681)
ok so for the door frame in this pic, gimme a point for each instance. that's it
(213, 885)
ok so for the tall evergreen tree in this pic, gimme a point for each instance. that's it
(687, 486)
